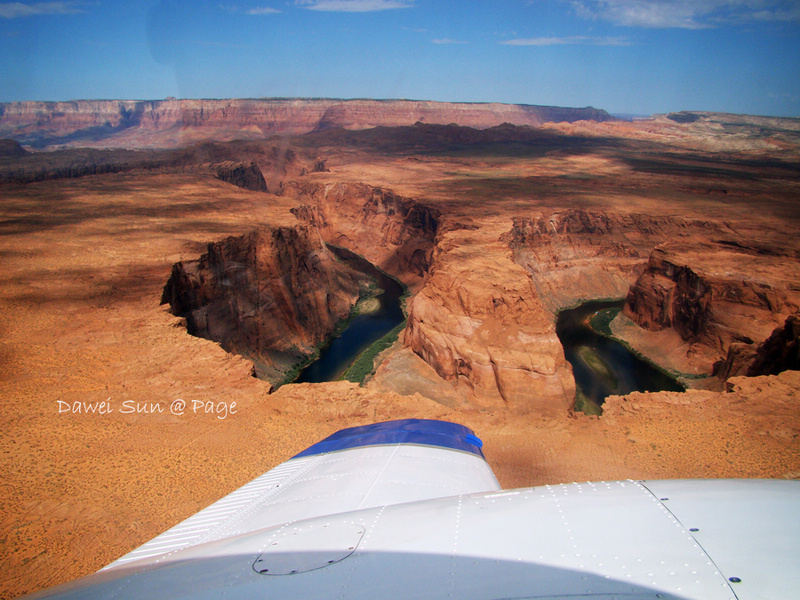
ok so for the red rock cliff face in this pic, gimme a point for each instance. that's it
(273, 295)
(479, 324)
(578, 255)
(475, 317)
(166, 123)
(716, 294)
(779, 352)
(394, 233)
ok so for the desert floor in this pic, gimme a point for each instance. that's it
(84, 262)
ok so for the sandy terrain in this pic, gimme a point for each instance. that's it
(84, 262)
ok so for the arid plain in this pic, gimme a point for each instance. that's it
(117, 424)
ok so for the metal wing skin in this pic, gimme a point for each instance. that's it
(410, 509)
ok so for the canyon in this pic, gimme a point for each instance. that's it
(176, 273)
(488, 326)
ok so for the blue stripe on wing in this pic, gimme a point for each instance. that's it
(422, 432)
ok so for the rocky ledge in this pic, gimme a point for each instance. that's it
(274, 295)
(726, 298)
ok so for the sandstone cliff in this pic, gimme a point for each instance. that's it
(395, 233)
(577, 255)
(273, 295)
(481, 325)
(716, 294)
(779, 352)
(169, 123)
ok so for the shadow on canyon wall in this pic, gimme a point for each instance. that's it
(484, 309)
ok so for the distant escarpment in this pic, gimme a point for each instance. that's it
(729, 298)
(394, 233)
(239, 163)
(171, 122)
(274, 295)
(577, 255)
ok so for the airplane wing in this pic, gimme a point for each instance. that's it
(410, 509)
(360, 467)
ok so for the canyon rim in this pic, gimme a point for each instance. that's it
(124, 222)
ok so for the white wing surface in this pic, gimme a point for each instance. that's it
(360, 467)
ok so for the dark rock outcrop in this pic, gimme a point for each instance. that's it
(716, 295)
(779, 352)
(274, 295)
(12, 149)
(243, 175)
(683, 117)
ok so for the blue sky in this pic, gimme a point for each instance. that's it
(627, 56)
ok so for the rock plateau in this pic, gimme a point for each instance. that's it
(171, 122)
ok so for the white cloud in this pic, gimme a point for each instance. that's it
(354, 5)
(686, 14)
(448, 41)
(14, 10)
(263, 10)
(571, 40)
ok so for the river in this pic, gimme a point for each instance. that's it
(601, 365)
(363, 330)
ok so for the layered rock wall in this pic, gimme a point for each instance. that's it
(716, 294)
(578, 255)
(273, 295)
(395, 233)
(128, 123)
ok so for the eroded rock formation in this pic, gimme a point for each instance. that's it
(243, 175)
(273, 295)
(577, 255)
(475, 317)
(480, 324)
(779, 352)
(394, 233)
(717, 295)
